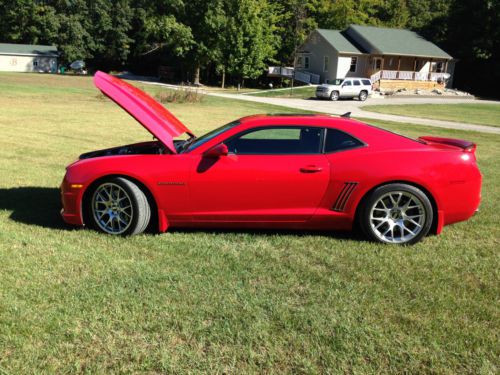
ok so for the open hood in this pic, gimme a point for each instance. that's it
(152, 115)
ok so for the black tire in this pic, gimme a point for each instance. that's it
(137, 217)
(363, 95)
(373, 214)
(334, 95)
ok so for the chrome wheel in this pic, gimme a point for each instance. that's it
(363, 95)
(334, 95)
(112, 208)
(397, 217)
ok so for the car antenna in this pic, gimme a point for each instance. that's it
(346, 115)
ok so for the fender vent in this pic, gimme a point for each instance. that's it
(344, 196)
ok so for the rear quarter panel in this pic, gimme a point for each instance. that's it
(453, 183)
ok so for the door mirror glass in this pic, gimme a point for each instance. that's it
(216, 151)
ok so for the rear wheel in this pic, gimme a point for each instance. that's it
(397, 214)
(118, 206)
(363, 95)
(334, 96)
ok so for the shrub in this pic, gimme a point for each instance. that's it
(181, 95)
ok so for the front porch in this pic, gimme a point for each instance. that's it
(410, 80)
(408, 72)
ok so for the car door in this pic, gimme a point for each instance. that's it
(271, 174)
(347, 89)
(356, 87)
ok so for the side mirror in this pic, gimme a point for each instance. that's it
(216, 151)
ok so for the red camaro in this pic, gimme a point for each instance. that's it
(283, 171)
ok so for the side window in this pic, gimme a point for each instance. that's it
(299, 62)
(357, 83)
(366, 82)
(337, 140)
(354, 62)
(347, 83)
(277, 141)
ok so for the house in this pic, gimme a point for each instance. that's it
(28, 58)
(391, 58)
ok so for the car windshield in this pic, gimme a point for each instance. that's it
(336, 82)
(194, 142)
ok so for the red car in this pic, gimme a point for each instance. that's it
(280, 171)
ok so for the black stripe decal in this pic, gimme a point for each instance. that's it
(344, 196)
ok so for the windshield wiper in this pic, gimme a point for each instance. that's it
(188, 143)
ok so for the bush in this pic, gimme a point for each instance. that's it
(181, 95)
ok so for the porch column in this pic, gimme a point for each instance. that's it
(414, 68)
(430, 68)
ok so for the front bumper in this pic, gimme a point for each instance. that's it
(322, 94)
(71, 202)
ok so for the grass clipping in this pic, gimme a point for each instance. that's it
(181, 95)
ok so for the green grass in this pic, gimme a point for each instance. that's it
(471, 113)
(211, 302)
(304, 92)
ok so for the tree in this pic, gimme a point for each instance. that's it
(249, 40)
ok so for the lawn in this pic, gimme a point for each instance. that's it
(303, 92)
(472, 113)
(74, 300)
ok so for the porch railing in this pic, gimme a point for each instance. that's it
(302, 76)
(408, 76)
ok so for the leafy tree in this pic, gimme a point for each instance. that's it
(249, 39)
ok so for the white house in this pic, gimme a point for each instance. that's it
(28, 58)
(392, 58)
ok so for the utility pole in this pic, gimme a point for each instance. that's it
(299, 13)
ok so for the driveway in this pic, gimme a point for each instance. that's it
(355, 107)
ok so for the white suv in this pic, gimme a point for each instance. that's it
(345, 88)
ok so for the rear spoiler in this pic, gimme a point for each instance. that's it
(466, 146)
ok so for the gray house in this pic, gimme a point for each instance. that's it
(28, 58)
(392, 58)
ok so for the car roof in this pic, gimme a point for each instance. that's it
(368, 133)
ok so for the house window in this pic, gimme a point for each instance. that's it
(354, 62)
(306, 62)
(35, 62)
(326, 63)
(437, 67)
(299, 62)
(378, 63)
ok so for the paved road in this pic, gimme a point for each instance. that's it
(354, 106)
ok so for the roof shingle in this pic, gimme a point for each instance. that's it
(27, 49)
(386, 41)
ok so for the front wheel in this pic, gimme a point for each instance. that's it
(363, 95)
(118, 206)
(397, 214)
(334, 96)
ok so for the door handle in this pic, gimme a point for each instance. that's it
(311, 169)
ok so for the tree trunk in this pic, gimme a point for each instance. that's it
(223, 78)
(196, 78)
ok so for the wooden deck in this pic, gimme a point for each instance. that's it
(393, 84)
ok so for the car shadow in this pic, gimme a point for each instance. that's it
(344, 235)
(40, 206)
(33, 205)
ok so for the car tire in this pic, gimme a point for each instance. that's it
(396, 214)
(334, 96)
(363, 95)
(118, 206)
